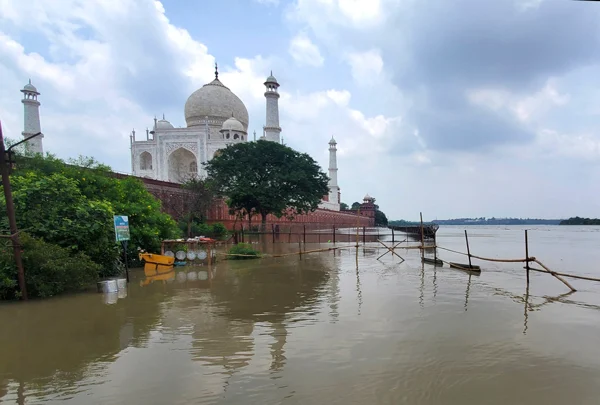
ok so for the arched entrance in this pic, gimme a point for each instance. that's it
(182, 165)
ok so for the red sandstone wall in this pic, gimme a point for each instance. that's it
(318, 219)
(173, 197)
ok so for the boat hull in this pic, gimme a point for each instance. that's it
(435, 262)
(156, 264)
(466, 267)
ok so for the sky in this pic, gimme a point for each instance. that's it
(462, 108)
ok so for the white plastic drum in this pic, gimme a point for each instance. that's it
(169, 253)
(201, 254)
(180, 255)
(191, 255)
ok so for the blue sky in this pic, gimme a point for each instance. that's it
(462, 108)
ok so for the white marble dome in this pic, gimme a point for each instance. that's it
(164, 124)
(217, 102)
(232, 124)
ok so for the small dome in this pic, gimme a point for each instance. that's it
(271, 79)
(30, 87)
(164, 124)
(367, 197)
(332, 142)
(233, 124)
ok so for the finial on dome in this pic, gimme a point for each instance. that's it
(29, 81)
(163, 116)
(216, 71)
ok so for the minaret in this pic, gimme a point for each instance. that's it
(272, 129)
(32, 118)
(333, 181)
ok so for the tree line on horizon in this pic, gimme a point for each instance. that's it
(482, 221)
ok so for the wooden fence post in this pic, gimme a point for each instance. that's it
(422, 238)
(364, 236)
(304, 234)
(527, 257)
(393, 236)
(468, 250)
(334, 234)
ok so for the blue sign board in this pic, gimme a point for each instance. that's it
(121, 227)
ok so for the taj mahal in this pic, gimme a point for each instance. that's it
(215, 118)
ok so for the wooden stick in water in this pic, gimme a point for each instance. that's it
(527, 257)
(468, 250)
(556, 275)
(422, 237)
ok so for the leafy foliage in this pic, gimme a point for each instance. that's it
(72, 206)
(380, 218)
(344, 207)
(244, 249)
(199, 198)
(268, 178)
(216, 230)
(51, 270)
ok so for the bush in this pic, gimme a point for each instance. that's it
(243, 249)
(216, 230)
(72, 205)
(49, 270)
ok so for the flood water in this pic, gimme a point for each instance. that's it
(324, 329)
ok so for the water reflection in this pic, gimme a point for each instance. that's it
(286, 330)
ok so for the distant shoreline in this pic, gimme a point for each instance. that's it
(580, 221)
(481, 222)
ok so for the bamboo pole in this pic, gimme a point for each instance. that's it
(468, 250)
(422, 238)
(567, 275)
(527, 257)
(309, 251)
(556, 275)
(434, 247)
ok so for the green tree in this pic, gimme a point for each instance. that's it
(89, 184)
(53, 208)
(269, 178)
(380, 218)
(355, 205)
(344, 207)
(198, 200)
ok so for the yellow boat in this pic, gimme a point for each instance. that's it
(155, 264)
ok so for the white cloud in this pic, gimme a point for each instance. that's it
(304, 51)
(367, 67)
(341, 98)
(526, 108)
(358, 14)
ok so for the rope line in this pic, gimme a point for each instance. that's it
(531, 259)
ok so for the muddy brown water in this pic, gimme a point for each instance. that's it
(323, 329)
